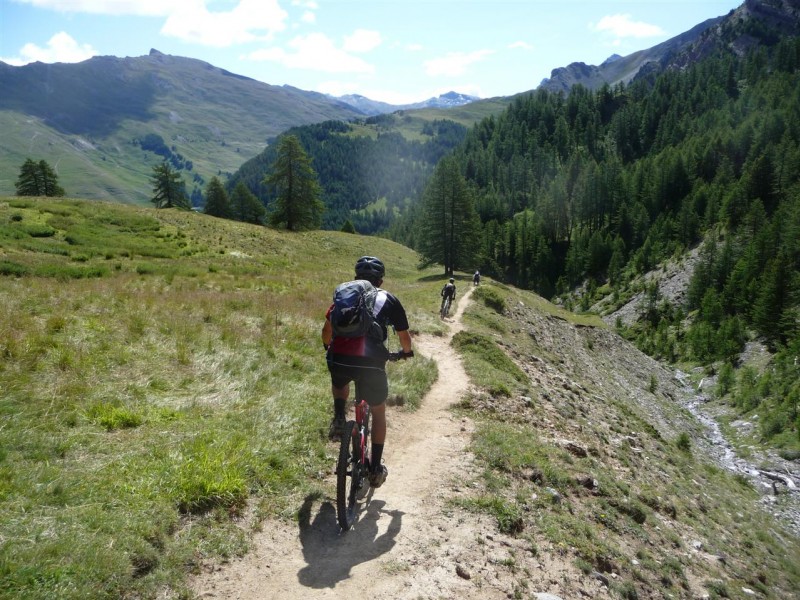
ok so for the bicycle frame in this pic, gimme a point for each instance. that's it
(445, 308)
(362, 431)
(352, 471)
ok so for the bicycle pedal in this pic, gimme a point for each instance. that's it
(363, 489)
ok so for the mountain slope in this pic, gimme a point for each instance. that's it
(622, 69)
(736, 32)
(374, 107)
(88, 119)
(165, 398)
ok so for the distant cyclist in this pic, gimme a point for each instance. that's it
(476, 279)
(448, 291)
(363, 360)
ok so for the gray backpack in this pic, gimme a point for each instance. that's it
(353, 313)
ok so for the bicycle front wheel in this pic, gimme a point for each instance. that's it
(349, 477)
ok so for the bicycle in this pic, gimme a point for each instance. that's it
(352, 467)
(445, 308)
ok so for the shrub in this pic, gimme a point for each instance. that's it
(65, 272)
(725, 380)
(684, 442)
(491, 297)
(488, 351)
(773, 424)
(145, 269)
(37, 230)
(13, 269)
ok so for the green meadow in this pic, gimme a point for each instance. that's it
(162, 373)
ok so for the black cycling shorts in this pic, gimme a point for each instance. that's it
(371, 382)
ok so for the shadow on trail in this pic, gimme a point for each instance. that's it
(331, 554)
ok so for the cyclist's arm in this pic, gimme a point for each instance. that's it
(405, 340)
(327, 333)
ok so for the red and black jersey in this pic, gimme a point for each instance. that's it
(368, 350)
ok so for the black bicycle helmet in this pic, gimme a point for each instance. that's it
(370, 268)
(452, 280)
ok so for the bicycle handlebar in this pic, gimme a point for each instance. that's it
(395, 356)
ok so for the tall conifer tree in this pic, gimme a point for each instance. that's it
(298, 205)
(169, 189)
(245, 206)
(217, 203)
(38, 179)
(449, 227)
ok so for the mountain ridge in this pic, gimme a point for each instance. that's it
(622, 69)
(87, 119)
(374, 107)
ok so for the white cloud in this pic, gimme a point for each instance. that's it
(314, 52)
(191, 20)
(414, 47)
(245, 23)
(521, 45)
(150, 8)
(454, 63)
(362, 40)
(309, 7)
(623, 26)
(60, 48)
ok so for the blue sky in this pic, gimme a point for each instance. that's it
(394, 51)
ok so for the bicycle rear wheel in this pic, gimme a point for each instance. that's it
(349, 477)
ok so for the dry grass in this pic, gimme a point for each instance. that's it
(146, 405)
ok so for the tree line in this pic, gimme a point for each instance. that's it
(596, 188)
(364, 179)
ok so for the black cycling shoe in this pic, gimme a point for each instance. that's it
(378, 476)
(336, 429)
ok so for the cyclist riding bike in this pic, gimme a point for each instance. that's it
(449, 291)
(362, 360)
(476, 279)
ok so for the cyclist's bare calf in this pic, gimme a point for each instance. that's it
(378, 413)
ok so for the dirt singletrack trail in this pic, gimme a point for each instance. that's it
(407, 542)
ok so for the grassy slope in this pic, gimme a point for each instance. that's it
(160, 368)
(216, 120)
(216, 137)
(631, 493)
(162, 371)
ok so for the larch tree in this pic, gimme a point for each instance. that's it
(38, 179)
(169, 190)
(298, 205)
(449, 228)
(217, 203)
(246, 206)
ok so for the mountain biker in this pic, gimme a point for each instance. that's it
(476, 279)
(449, 291)
(363, 361)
